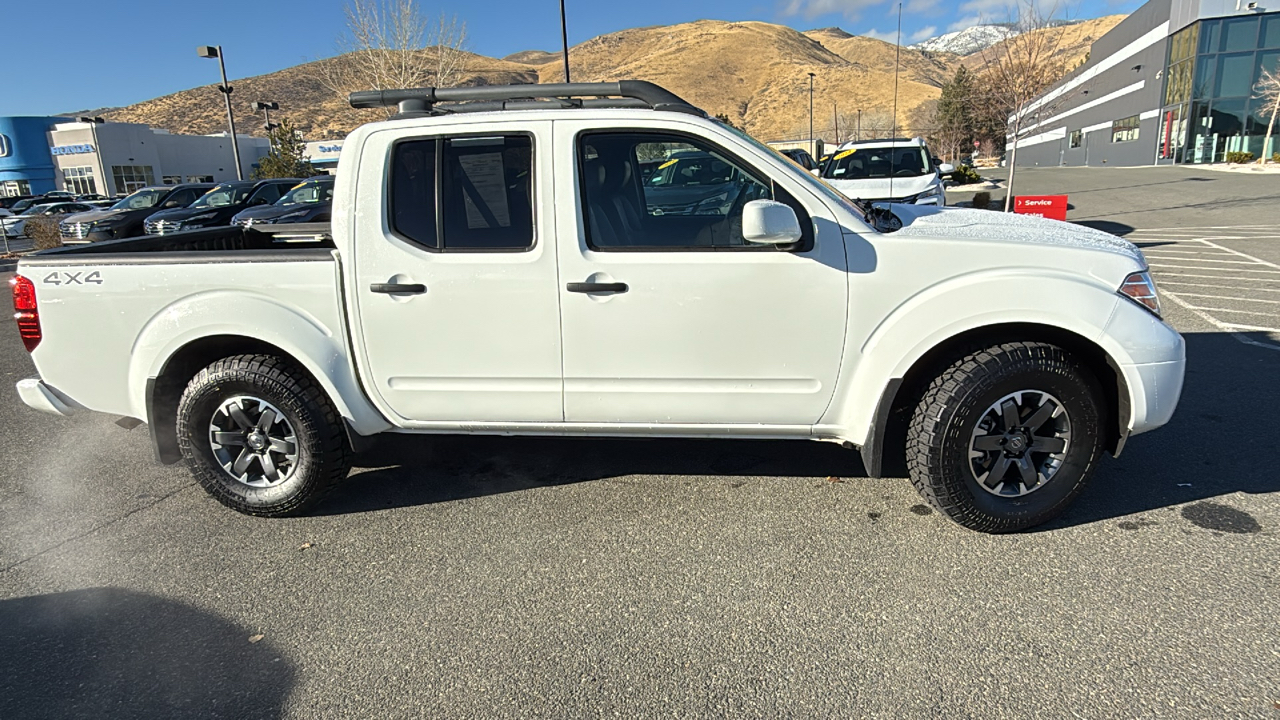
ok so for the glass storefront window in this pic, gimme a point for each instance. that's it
(79, 180)
(1205, 67)
(1240, 34)
(132, 177)
(1235, 73)
(1267, 61)
(1270, 32)
(1209, 36)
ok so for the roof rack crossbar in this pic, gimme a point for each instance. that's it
(422, 101)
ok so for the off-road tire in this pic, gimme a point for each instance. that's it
(951, 406)
(323, 457)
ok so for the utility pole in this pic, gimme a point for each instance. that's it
(813, 148)
(835, 115)
(215, 51)
(859, 123)
(564, 39)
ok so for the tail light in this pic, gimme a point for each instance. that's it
(26, 312)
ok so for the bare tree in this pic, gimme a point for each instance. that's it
(391, 44)
(1017, 72)
(1268, 90)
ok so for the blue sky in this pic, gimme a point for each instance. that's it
(70, 55)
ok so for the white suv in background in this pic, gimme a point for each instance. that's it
(896, 171)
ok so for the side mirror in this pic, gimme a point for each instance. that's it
(766, 222)
(946, 168)
(259, 201)
(172, 204)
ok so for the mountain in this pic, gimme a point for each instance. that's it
(967, 41)
(755, 73)
(1073, 39)
(930, 68)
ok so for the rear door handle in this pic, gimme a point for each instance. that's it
(398, 288)
(593, 287)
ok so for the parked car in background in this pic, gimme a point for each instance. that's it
(90, 196)
(308, 201)
(694, 182)
(801, 157)
(125, 218)
(7, 203)
(896, 170)
(219, 205)
(15, 226)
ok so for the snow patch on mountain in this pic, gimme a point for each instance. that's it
(967, 41)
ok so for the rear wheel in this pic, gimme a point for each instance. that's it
(1006, 437)
(260, 436)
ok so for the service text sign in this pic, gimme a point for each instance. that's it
(1053, 207)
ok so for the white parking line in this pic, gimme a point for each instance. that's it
(1219, 287)
(1224, 297)
(1193, 255)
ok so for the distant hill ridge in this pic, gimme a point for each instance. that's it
(755, 73)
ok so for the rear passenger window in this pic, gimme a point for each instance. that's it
(464, 193)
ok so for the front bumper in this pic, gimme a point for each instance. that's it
(38, 396)
(1154, 390)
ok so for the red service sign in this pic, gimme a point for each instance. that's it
(1053, 207)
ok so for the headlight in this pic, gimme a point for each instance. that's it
(714, 203)
(1140, 288)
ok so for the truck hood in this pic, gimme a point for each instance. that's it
(877, 188)
(100, 215)
(968, 224)
(263, 212)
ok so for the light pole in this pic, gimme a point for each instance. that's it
(266, 108)
(215, 51)
(94, 122)
(564, 39)
(813, 148)
(859, 123)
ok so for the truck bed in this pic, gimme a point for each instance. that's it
(112, 312)
(288, 239)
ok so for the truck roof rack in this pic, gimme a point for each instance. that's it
(425, 102)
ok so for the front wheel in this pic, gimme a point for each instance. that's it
(1006, 437)
(260, 436)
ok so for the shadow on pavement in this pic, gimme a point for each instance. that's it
(1114, 228)
(1221, 441)
(108, 652)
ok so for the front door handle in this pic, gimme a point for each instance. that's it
(398, 288)
(596, 287)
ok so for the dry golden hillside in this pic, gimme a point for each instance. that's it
(930, 68)
(313, 108)
(1073, 46)
(756, 73)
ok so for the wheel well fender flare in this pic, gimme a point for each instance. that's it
(171, 350)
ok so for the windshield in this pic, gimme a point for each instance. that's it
(23, 204)
(35, 209)
(692, 170)
(832, 195)
(145, 198)
(308, 193)
(878, 162)
(222, 196)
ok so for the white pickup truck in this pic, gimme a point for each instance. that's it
(498, 263)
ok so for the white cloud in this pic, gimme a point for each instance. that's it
(810, 9)
(923, 33)
(889, 37)
(965, 23)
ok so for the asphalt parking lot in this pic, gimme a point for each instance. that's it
(491, 577)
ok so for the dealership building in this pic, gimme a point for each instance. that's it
(1172, 83)
(39, 154)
